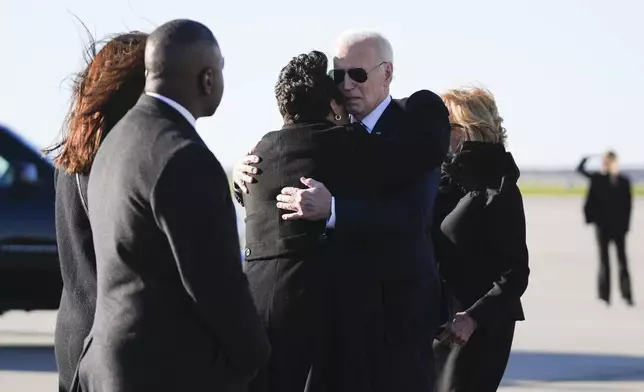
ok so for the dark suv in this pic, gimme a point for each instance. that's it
(29, 270)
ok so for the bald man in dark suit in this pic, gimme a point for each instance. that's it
(174, 312)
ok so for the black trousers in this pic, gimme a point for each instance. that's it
(604, 239)
(290, 295)
(479, 365)
(386, 314)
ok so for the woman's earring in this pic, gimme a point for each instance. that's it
(338, 117)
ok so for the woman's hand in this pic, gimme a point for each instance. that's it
(459, 330)
(242, 170)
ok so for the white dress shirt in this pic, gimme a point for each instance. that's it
(369, 122)
(183, 111)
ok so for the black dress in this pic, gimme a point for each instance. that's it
(481, 249)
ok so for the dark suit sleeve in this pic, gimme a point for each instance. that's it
(412, 147)
(508, 231)
(395, 165)
(192, 205)
(581, 168)
(392, 212)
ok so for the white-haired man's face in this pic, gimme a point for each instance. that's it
(362, 77)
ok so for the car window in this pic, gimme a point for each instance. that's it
(6, 173)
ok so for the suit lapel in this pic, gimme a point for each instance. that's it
(389, 117)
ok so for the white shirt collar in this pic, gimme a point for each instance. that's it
(372, 118)
(184, 112)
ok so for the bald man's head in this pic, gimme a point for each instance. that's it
(183, 62)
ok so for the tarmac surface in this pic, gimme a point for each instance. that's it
(570, 341)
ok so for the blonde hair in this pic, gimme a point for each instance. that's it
(474, 109)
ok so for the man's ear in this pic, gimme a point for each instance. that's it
(206, 81)
(389, 73)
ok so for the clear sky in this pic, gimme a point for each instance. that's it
(568, 74)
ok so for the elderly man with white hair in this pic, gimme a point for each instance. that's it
(385, 289)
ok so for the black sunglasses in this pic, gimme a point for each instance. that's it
(359, 75)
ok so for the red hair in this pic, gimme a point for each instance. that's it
(107, 88)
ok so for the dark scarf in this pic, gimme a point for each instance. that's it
(479, 166)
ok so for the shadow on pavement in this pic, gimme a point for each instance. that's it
(540, 366)
(523, 366)
(27, 358)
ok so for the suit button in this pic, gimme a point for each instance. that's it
(247, 252)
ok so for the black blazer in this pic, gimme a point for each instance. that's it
(78, 269)
(480, 233)
(608, 202)
(350, 162)
(173, 310)
(297, 150)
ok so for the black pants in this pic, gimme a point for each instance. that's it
(479, 365)
(290, 296)
(604, 238)
(383, 334)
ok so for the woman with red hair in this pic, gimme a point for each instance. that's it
(103, 92)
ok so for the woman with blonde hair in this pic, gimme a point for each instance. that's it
(480, 240)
